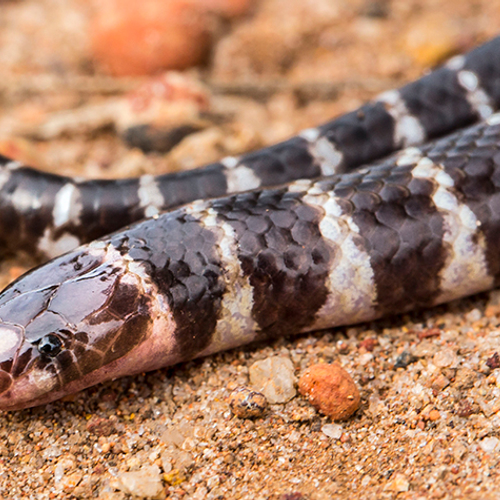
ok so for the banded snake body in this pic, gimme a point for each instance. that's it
(415, 229)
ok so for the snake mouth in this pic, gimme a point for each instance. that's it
(15, 395)
(27, 390)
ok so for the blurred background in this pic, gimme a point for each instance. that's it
(125, 87)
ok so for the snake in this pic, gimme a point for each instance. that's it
(392, 207)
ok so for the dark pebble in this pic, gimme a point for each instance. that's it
(247, 403)
(404, 359)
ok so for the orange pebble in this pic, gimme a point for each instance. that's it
(131, 37)
(331, 390)
(434, 415)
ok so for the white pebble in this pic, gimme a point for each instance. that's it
(143, 483)
(490, 444)
(398, 484)
(474, 315)
(173, 437)
(445, 359)
(274, 377)
(333, 431)
(365, 358)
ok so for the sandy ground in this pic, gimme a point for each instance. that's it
(430, 382)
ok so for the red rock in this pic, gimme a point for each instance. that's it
(429, 333)
(331, 390)
(493, 361)
(368, 344)
(464, 408)
(132, 37)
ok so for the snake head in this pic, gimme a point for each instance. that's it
(83, 318)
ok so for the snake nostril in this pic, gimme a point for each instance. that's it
(5, 381)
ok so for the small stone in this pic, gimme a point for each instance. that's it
(182, 459)
(65, 464)
(365, 358)
(342, 347)
(459, 449)
(345, 438)
(404, 359)
(173, 437)
(428, 333)
(474, 315)
(246, 403)
(464, 408)
(440, 382)
(490, 444)
(465, 378)
(375, 405)
(274, 377)
(398, 484)
(303, 414)
(445, 359)
(101, 426)
(434, 415)
(333, 431)
(70, 482)
(493, 361)
(331, 390)
(166, 462)
(143, 483)
(103, 445)
(368, 344)
(83, 487)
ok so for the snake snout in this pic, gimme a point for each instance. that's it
(11, 338)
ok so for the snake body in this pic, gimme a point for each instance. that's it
(415, 229)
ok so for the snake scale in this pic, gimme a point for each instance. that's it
(336, 245)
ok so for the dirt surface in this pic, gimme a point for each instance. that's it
(429, 382)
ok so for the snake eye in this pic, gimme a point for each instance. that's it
(50, 345)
